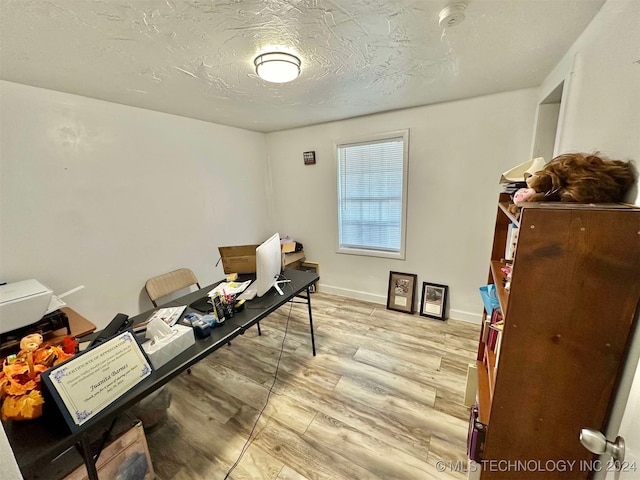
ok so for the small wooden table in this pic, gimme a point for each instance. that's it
(79, 326)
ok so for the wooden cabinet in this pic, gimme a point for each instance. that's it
(568, 316)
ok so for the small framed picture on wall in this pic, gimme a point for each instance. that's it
(309, 158)
(434, 300)
(402, 291)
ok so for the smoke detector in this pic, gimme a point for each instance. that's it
(452, 15)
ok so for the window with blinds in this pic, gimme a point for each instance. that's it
(372, 195)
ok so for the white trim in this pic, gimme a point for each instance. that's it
(475, 318)
(356, 294)
(564, 104)
(371, 253)
(563, 72)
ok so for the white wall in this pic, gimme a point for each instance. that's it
(602, 112)
(457, 152)
(106, 196)
(100, 194)
(601, 106)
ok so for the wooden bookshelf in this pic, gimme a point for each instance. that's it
(499, 278)
(568, 317)
(504, 207)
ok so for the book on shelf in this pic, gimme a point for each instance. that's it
(513, 187)
(498, 346)
(512, 241)
(495, 329)
(496, 335)
(473, 416)
(478, 437)
(475, 436)
(485, 330)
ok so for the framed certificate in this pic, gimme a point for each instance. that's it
(86, 384)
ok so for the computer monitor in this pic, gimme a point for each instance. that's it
(268, 265)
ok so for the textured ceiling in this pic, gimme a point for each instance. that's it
(195, 58)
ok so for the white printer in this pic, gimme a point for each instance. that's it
(23, 303)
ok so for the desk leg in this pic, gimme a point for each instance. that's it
(89, 462)
(313, 340)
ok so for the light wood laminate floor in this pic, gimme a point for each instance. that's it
(381, 400)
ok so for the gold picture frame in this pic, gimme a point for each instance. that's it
(402, 292)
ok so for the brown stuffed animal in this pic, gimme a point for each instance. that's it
(580, 178)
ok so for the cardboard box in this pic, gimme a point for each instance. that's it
(239, 258)
(242, 258)
(293, 260)
(127, 457)
(311, 267)
(288, 247)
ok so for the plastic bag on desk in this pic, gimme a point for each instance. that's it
(489, 298)
(152, 409)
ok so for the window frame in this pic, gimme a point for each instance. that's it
(365, 139)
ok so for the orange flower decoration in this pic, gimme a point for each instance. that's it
(20, 380)
(17, 380)
(24, 407)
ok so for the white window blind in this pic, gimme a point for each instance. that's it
(371, 195)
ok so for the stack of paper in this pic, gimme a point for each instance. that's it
(230, 288)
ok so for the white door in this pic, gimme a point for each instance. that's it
(605, 468)
(630, 432)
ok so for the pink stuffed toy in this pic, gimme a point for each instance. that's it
(523, 195)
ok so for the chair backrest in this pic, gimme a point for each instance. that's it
(167, 283)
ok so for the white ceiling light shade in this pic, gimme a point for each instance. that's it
(277, 67)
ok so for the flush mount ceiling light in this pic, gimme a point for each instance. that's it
(277, 67)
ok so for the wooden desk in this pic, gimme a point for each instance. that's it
(79, 326)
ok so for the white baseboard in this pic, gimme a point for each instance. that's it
(382, 300)
(358, 295)
(466, 316)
